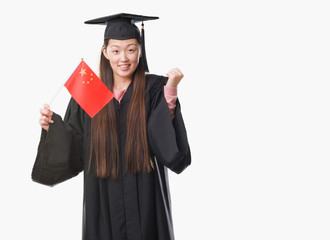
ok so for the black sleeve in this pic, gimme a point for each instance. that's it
(60, 150)
(168, 138)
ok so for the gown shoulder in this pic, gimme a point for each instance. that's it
(155, 83)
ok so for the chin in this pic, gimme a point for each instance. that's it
(125, 74)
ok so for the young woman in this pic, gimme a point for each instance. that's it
(126, 148)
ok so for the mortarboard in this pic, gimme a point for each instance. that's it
(122, 26)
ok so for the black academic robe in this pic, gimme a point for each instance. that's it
(131, 207)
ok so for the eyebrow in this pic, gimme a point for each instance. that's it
(127, 45)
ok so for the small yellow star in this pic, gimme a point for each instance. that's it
(87, 82)
(83, 71)
(83, 81)
(91, 79)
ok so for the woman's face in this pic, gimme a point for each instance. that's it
(124, 57)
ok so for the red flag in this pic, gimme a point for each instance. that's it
(88, 90)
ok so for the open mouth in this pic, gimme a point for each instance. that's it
(124, 67)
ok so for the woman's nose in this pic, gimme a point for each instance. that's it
(123, 56)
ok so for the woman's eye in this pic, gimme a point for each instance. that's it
(115, 51)
(131, 50)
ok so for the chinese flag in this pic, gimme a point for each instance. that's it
(88, 90)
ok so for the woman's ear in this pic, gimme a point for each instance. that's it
(105, 53)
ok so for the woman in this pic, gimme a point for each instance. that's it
(126, 148)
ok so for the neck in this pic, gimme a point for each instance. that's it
(122, 83)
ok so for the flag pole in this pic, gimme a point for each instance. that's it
(59, 90)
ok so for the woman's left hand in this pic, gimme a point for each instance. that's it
(174, 77)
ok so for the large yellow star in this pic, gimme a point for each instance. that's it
(83, 71)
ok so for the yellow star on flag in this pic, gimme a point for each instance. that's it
(83, 71)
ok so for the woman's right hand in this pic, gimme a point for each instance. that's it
(46, 117)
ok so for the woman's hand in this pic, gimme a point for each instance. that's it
(174, 77)
(46, 117)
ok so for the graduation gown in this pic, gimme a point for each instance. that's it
(131, 207)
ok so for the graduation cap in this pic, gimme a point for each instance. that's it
(122, 26)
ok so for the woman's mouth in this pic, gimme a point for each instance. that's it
(124, 67)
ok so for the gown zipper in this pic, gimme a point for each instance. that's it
(122, 170)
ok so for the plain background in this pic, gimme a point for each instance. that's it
(255, 99)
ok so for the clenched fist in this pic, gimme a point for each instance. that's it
(174, 77)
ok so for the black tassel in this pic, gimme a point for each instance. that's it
(144, 56)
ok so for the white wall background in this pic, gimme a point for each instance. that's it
(255, 99)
